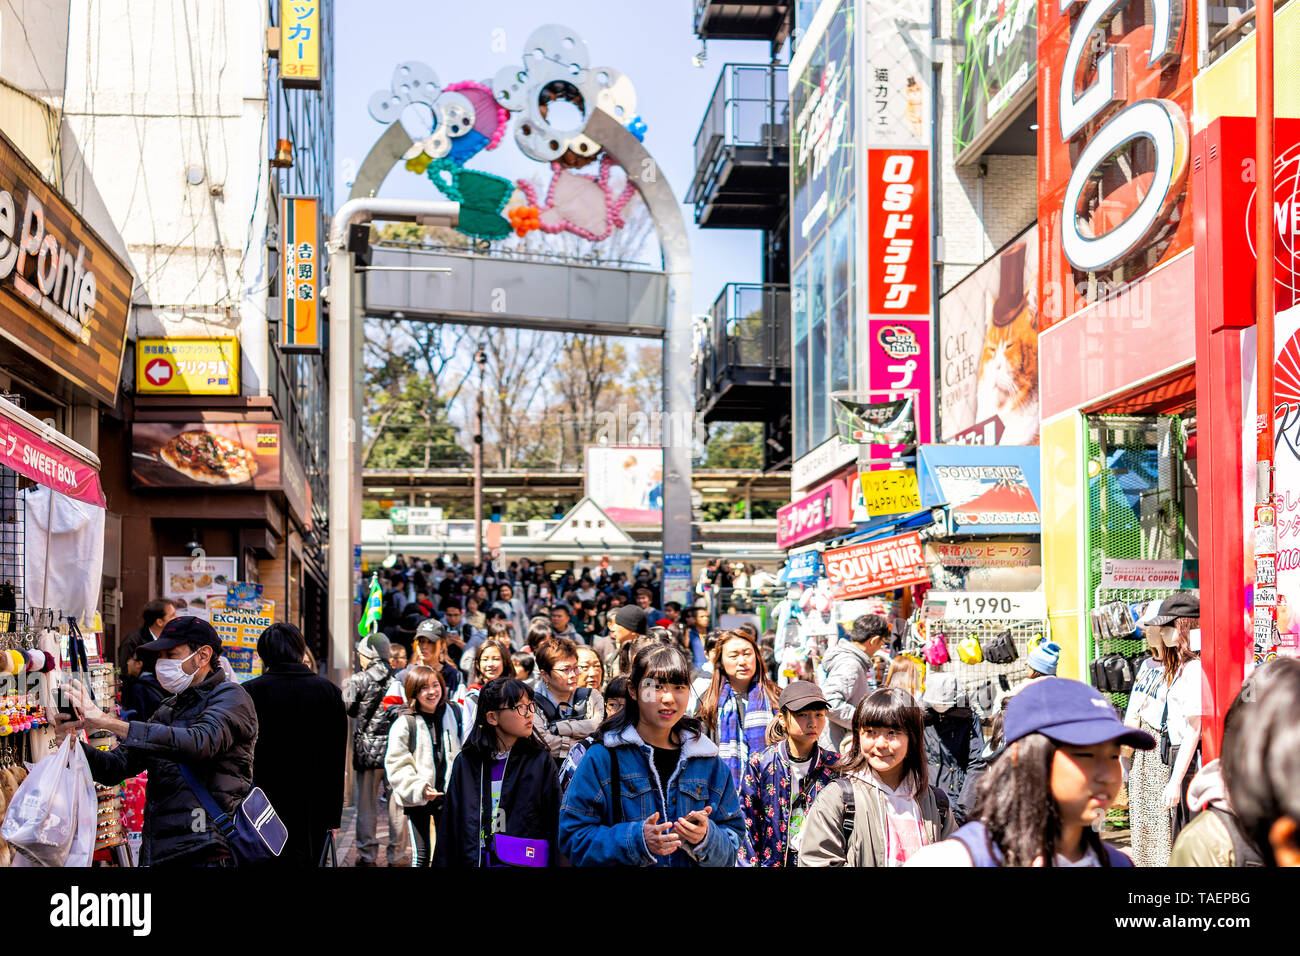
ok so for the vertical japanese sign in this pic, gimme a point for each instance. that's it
(895, 183)
(300, 43)
(300, 269)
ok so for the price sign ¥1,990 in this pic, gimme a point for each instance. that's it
(989, 605)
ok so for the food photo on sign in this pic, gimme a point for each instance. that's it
(213, 455)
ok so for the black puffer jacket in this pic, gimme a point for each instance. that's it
(213, 728)
(530, 802)
(363, 695)
(954, 743)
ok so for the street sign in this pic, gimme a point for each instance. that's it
(987, 605)
(187, 366)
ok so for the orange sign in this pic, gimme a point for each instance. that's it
(300, 265)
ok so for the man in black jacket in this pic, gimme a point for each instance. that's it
(364, 696)
(302, 743)
(209, 724)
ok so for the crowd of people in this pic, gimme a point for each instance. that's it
(493, 730)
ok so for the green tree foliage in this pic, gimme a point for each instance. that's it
(735, 445)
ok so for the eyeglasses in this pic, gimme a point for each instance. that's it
(566, 671)
(523, 708)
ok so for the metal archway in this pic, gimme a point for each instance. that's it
(345, 350)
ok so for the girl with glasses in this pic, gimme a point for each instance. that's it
(502, 801)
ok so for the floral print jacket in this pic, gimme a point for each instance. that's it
(766, 801)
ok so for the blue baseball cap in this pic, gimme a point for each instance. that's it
(1069, 712)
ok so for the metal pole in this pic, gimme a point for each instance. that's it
(344, 395)
(478, 465)
(1265, 594)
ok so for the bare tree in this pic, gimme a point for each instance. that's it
(518, 363)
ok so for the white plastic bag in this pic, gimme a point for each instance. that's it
(51, 818)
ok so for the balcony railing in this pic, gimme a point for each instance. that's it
(745, 345)
(747, 126)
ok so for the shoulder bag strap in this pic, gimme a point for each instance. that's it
(850, 809)
(410, 733)
(615, 788)
(219, 817)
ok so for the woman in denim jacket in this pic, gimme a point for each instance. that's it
(677, 805)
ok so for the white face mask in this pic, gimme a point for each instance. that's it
(172, 676)
(1168, 635)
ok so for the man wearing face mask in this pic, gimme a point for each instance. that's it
(209, 725)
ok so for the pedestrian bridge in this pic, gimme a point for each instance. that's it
(536, 291)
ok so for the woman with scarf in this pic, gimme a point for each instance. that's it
(739, 703)
(881, 810)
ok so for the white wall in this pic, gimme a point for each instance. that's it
(155, 87)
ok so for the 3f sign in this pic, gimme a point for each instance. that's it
(1159, 120)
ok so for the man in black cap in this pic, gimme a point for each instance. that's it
(209, 725)
(625, 624)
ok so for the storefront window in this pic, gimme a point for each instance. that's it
(818, 344)
(799, 308)
(841, 336)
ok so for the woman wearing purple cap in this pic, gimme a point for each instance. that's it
(1041, 802)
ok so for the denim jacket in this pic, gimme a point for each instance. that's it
(700, 780)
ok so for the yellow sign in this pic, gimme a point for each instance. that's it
(239, 630)
(300, 43)
(300, 270)
(187, 366)
(890, 492)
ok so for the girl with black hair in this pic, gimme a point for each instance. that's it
(502, 800)
(653, 792)
(882, 811)
(1042, 800)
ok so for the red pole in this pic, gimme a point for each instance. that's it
(1265, 616)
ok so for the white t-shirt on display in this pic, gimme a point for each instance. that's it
(1147, 698)
(1185, 702)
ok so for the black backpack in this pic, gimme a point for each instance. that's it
(1000, 649)
(1113, 674)
(552, 712)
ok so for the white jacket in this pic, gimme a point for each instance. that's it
(410, 772)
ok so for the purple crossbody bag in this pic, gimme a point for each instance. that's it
(516, 851)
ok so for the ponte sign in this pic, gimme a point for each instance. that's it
(66, 296)
(1113, 155)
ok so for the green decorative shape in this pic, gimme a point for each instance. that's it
(482, 196)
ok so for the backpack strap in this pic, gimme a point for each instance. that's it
(615, 788)
(547, 707)
(1244, 851)
(850, 809)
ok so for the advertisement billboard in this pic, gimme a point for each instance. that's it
(214, 456)
(300, 267)
(997, 77)
(187, 366)
(1114, 97)
(899, 357)
(987, 490)
(876, 566)
(627, 482)
(988, 350)
(824, 509)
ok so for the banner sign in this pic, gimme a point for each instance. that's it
(300, 267)
(187, 366)
(987, 606)
(885, 423)
(47, 464)
(983, 554)
(890, 492)
(803, 567)
(239, 630)
(215, 456)
(1001, 53)
(876, 566)
(1124, 573)
(898, 232)
(898, 358)
(988, 351)
(300, 43)
(677, 578)
(990, 490)
(824, 509)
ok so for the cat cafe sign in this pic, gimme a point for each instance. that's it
(1113, 158)
(64, 295)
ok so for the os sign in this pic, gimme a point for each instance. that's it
(1114, 142)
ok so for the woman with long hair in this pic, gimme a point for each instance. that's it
(422, 746)
(740, 702)
(502, 801)
(492, 659)
(653, 792)
(1038, 805)
(882, 810)
(1165, 702)
(907, 671)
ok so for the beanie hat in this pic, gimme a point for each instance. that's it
(1044, 658)
(372, 647)
(631, 617)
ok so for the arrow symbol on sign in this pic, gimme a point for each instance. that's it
(158, 372)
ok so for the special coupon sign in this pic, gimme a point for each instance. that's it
(876, 566)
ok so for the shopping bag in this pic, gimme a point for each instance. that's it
(51, 818)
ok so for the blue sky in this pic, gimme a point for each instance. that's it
(651, 41)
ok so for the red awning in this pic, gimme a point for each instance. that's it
(47, 457)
